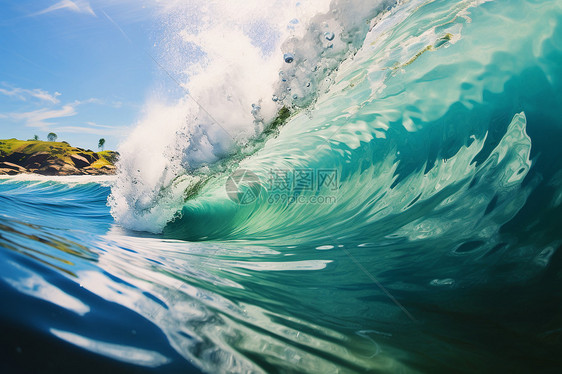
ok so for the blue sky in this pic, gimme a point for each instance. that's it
(75, 67)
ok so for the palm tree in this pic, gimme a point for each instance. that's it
(52, 137)
(101, 143)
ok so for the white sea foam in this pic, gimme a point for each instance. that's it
(229, 58)
(105, 180)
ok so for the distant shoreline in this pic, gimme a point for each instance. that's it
(53, 158)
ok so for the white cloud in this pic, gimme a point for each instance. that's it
(93, 124)
(89, 130)
(92, 100)
(45, 120)
(45, 117)
(39, 118)
(77, 6)
(44, 95)
(44, 111)
(95, 129)
(24, 94)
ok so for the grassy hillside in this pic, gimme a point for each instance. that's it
(60, 150)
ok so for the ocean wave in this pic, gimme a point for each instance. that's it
(420, 111)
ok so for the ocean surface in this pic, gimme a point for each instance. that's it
(403, 215)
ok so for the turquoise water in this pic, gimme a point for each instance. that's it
(405, 218)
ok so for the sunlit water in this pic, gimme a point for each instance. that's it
(428, 239)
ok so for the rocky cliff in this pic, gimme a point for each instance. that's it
(53, 158)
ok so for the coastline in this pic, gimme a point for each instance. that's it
(103, 179)
(53, 159)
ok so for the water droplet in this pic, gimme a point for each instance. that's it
(288, 57)
(295, 97)
(329, 35)
(255, 109)
(275, 98)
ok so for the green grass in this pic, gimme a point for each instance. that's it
(61, 150)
